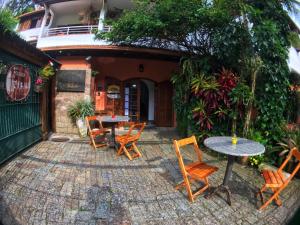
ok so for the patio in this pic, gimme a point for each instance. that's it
(69, 183)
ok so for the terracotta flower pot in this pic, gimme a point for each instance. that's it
(38, 88)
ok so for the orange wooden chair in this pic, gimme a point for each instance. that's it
(128, 141)
(195, 171)
(276, 181)
(95, 131)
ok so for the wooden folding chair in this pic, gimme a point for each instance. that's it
(195, 171)
(96, 131)
(276, 181)
(128, 141)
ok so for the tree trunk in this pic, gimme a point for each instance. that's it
(250, 105)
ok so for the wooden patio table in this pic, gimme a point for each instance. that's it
(244, 147)
(112, 121)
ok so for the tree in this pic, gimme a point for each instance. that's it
(226, 33)
(19, 7)
(7, 20)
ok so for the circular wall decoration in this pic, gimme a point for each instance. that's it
(18, 82)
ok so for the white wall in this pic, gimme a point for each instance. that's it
(68, 40)
(65, 20)
(31, 34)
(151, 89)
(294, 60)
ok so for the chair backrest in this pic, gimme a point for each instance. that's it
(137, 126)
(95, 119)
(293, 153)
(187, 141)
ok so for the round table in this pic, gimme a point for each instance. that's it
(113, 121)
(244, 147)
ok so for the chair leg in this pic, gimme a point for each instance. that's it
(260, 193)
(120, 151)
(189, 189)
(277, 200)
(127, 153)
(94, 143)
(273, 197)
(136, 150)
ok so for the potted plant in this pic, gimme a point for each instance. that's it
(39, 83)
(45, 74)
(77, 113)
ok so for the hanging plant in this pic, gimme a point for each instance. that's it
(39, 84)
(47, 72)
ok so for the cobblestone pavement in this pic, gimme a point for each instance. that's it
(70, 183)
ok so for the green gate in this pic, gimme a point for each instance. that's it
(20, 124)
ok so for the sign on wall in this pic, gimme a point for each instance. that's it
(113, 91)
(18, 82)
(100, 100)
(71, 80)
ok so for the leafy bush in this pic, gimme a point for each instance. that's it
(7, 20)
(294, 39)
(80, 109)
(258, 137)
(256, 160)
(47, 72)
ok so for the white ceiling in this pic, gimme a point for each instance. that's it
(81, 5)
(75, 6)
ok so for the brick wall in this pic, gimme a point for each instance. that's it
(64, 99)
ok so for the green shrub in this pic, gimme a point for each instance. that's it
(7, 20)
(80, 109)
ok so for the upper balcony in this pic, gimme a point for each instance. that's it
(30, 25)
(73, 23)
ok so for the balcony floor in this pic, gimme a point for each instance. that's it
(70, 183)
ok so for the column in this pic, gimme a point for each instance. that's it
(44, 20)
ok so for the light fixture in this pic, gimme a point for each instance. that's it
(88, 58)
(141, 68)
(134, 85)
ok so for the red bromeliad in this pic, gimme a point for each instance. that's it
(213, 95)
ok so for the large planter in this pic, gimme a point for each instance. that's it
(82, 128)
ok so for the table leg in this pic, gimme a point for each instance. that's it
(113, 136)
(224, 186)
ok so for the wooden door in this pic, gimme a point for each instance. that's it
(163, 102)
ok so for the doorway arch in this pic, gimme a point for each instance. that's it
(139, 99)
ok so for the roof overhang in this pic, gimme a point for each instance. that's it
(31, 14)
(112, 50)
(47, 2)
(19, 47)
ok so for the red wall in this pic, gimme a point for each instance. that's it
(127, 68)
(73, 62)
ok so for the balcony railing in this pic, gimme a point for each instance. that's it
(107, 28)
(74, 30)
(89, 29)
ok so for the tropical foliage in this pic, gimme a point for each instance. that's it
(80, 109)
(7, 20)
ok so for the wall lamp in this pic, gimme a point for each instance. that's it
(141, 68)
(88, 58)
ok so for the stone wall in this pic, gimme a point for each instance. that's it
(64, 99)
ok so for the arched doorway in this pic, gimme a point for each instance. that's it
(144, 101)
(139, 100)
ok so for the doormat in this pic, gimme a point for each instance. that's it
(60, 139)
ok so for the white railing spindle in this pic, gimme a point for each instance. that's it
(70, 30)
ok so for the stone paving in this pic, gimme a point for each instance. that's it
(70, 183)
